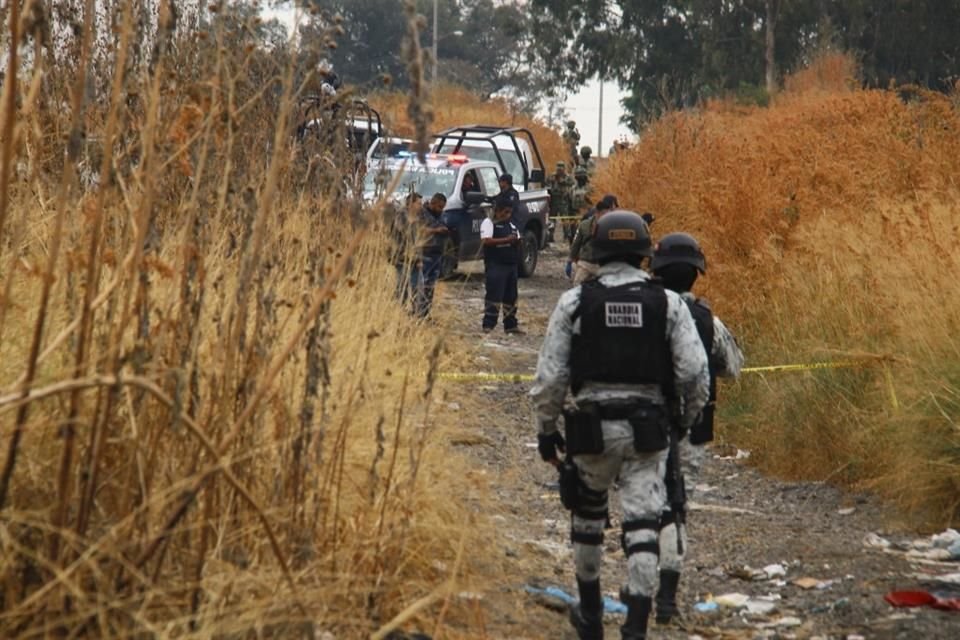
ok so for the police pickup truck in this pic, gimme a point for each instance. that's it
(467, 205)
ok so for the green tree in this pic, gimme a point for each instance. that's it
(669, 54)
(899, 41)
(481, 43)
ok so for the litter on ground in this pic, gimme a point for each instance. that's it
(732, 600)
(923, 599)
(556, 593)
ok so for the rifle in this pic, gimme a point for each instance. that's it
(676, 488)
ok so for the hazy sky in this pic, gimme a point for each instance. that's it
(584, 107)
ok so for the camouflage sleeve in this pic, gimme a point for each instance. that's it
(553, 366)
(690, 370)
(726, 351)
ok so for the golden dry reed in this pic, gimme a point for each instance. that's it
(831, 226)
(215, 419)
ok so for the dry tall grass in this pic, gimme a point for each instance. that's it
(830, 221)
(216, 420)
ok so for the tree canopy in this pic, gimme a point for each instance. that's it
(482, 44)
(672, 53)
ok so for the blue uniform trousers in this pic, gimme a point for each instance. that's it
(423, 281)
(501, 295)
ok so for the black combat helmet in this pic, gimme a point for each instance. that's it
(586, 152)
(678, 248)
(620, 235)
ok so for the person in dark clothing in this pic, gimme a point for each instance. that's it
(431, 236)
(506, 188)
(469, 184)
(501, 258)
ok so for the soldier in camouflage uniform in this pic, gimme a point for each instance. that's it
(581, 201)
(618, 342)
(585, 160)
(677, 260)
(571, 138)
(581, 248)
(560, 187)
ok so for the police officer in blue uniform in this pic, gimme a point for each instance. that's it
(501, 259)
(506, 188)
(432, 233)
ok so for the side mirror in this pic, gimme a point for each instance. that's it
(474, 197)
(536, 175)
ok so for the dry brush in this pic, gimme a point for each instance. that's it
(830, 223)
(215, 419)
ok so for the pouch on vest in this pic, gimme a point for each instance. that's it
(583, 430)
(569, 485)
(651, 428)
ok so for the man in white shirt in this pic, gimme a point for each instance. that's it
(501, 258)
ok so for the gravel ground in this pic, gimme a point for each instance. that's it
(740, 519)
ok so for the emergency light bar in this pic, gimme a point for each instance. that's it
(452, 158)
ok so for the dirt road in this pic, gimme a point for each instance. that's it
(822, 580)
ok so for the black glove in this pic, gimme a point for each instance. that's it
(548, 444)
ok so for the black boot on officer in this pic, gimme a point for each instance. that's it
(587, 615)
(667, 596)
(638, 616)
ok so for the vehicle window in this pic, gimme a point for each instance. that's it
(383, 149)
(424, 180)
(489, 177)
(509, 156)
(467, 185)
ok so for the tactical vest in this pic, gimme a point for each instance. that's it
(502, 253)
(623, 336)
(702, 431)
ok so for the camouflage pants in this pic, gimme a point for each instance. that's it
(691, 461)
(642, 496)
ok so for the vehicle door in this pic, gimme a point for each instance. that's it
(475, 214)
(470, 236)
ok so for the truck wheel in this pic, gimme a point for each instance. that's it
(449, 261)
(529, 248)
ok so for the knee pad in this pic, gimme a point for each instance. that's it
(588, 533)
(591, 505)
(629, 526)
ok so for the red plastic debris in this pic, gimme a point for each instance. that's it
(921, 599)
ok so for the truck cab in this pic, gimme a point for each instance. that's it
(514, 149)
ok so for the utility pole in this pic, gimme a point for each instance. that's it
(600, 123)
(433, 76)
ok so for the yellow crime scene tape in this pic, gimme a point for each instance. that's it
(809, 366)
(462, 376)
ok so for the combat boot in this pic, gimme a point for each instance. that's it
(587, 615)
(638, 615)
(667, 596)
